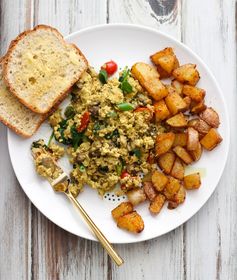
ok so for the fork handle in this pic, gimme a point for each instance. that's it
(100, 236)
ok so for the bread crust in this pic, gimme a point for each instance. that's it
(12, 46)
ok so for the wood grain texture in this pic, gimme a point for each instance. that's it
(204, 248)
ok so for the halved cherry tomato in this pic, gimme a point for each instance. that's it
(143, 109)
(124, 174)
(110, 67)
(85, 119)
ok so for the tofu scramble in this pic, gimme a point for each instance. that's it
(108, 130)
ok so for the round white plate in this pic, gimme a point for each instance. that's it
(125, 44)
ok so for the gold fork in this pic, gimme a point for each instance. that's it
(61, 184)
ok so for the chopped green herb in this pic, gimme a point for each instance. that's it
(103, 76)
(120, 167)
(125, 107)
(77, 137)
(124, 75)
(103, 169)
(126, 87)
(69, 112)
(36, 144)
(137, 153)
(62, 126)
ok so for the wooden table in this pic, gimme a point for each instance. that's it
(31, 247)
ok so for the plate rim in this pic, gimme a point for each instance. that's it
(211, 76)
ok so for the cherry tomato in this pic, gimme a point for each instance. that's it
(85, 119)
(143, 109)
(124, 174)
(110, 67)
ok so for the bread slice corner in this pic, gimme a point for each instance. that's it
(14, 114)
(40, 68)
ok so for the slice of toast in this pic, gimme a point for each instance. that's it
(14, 114)
(40, 68)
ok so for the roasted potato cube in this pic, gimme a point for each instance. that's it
(201, 126)
(166, 62)
(166, 162)
(136, 196)
(183, 154)
(193, 139)
(175, 103)
(198, 107)
(171, 188)
(196, 154)
(149, 190)
(164, 142)
(188, 101)
(179, 120)
(180, 139)
(180, 196)
(170, 89)
(161, 111)
(159, 180)
(211, 139)
(196, 94)
(211, 117)
(177, 169)
(122, 209)
(187, 74)
(148, 77)
(172, 205)
(132, 222)
(192, 181)
(157, 204)
(178, 86)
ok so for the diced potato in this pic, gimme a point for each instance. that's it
(180, 139)
(148, 77)
(172, 188)
(187, 74)
(178, 198)
(196, 94)
(196, 154)
(211, 139)
(198, 107)
(157, 204)
(188, 101)
(178, 169)
(175, 103)
(192, 181)
(161, 111)
(178, 86)
(136, 196)
(201, 126)
(132, 222)
(166, 62)
(193, 139)
(149, 190)
(179, 120)
(170, 89)
(183, 154)
(166, 162)
(164, 142)
(122, 209)
(211, 117)
(159, 180)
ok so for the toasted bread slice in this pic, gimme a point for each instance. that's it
(14, 114)
(40, 68)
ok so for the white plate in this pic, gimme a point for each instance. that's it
(126, 44)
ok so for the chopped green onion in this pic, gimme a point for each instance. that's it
(50, 138)
(69, 112)
(125, 107)
(103, 76)
(119, 168)
(82, 168)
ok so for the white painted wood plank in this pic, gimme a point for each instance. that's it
(209, 29)
(15, 218)
(57, 254)
(163, 257)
